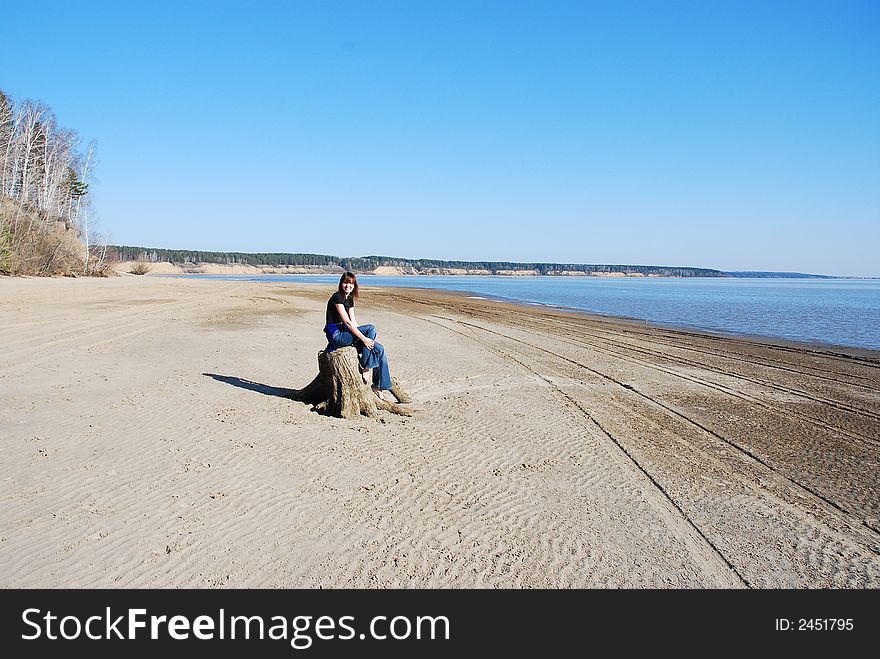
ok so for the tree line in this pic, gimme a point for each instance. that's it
(369, 263)
(46, 214)
(184, 256)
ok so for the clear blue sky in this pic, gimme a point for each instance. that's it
(738, 135)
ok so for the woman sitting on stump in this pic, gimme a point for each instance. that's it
(342, 330)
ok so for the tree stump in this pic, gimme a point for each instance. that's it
(339, 389)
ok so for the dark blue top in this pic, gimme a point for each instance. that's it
(332, 313)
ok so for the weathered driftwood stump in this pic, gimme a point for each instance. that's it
(339, 389)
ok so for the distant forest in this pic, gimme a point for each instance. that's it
(752, 274)
(363, 264)
(184, 256)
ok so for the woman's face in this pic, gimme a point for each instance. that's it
(347, 287)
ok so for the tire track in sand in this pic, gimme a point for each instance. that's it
(677, 520)
(807, 488)
(854, 568)
(840, 405)
(94, 333)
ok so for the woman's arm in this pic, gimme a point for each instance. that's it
(351, 324)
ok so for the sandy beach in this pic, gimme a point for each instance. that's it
(149, 441)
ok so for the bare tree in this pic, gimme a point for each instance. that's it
(79, 190)
(32, 135)
(7, 122)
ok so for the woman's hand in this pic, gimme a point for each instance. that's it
(369, 343)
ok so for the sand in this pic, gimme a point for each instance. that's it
(148, 442)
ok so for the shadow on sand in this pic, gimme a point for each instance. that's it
(254, 386)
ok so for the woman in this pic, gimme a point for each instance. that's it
(342, 330)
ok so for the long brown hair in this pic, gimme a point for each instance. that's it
(349, 276)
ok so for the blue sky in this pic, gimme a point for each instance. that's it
(737, 135)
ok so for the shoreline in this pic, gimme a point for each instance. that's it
(770, 341)
(166, 267)
(858, 351)
(854, 352)
(150, 443)
(192, 269)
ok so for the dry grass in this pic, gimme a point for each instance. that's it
(33, 243)
(139, 268)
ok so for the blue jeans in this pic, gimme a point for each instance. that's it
(374, 359)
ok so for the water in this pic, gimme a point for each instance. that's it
(842, 312)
